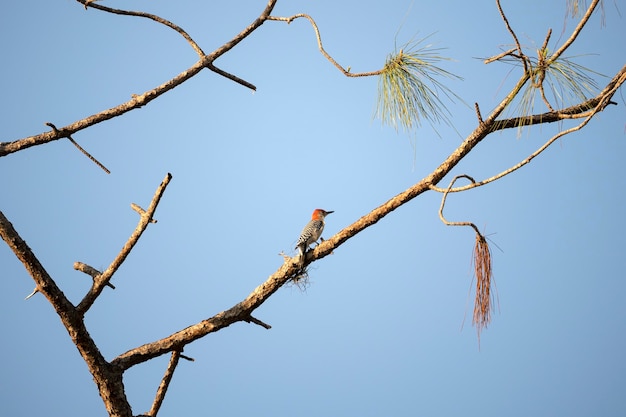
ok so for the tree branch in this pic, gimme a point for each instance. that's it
(443, 203)
(103, 279)
(141, 100)
(80, 148)
(165, 383)
(240, 312)
(574, 35)
(45, 283)
(150, 16)
(520, 52)
(292, 268)
(108, 378)
(91, 271)
(599, 103)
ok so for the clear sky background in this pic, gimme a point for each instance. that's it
(384, 329)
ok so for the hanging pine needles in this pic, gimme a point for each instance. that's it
(483, 302)
(482, 271)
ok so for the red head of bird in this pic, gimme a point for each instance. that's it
(319, 214)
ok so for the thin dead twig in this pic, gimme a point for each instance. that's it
(345, 72)
(91, 271)
(482, 267)
(575, 33)
(138, 100)
(80, 148)
(165, 22)
(500, 56)
(520, 52)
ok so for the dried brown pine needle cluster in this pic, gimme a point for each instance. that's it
(482, 269)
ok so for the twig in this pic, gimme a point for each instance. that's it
(165, 382)
(87, 154)
(478, 115)
(522, 57)
(574, 35)
(345, 72)
(443, 202)
(141, 212)
(91, 271)
(251, 319)
(155, 18)
(35, 291)
(104, 277)
(231, 76)
(500, 55)
(138, 100)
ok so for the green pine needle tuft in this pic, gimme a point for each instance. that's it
(409, 91)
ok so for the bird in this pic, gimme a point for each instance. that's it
(312, 231)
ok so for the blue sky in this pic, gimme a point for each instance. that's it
(380, 331)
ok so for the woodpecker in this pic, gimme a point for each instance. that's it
(312, 231)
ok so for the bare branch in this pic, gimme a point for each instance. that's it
(240, 312)
(80, 148)
(500, 56)
(258, 322)
(91, 271)
(478, 115)
(520, 52)
(141, 212)
(108, 379)
(102, 279)
(155, 18)
(443, 202)
(575, 33)
(345, 72)
(136, 101)
(45, 283)
(231, 77)
(165, 382)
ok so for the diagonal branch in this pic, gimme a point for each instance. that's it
(141, 100)
(108, 379)
(581, 24)
(292, 268)
(520, 52)
(150, 16)
(82, 150)
(103, 279)
(165, 383)
(45, 283)
(239, 312)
